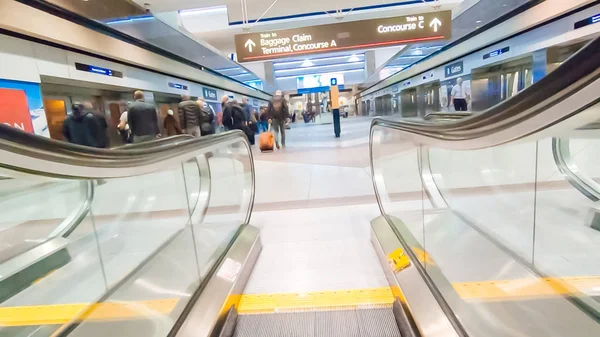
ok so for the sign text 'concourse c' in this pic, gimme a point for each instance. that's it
(344, 36)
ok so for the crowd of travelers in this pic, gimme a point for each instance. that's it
(140, 123)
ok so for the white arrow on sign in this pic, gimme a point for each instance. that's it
(435, 23)
(249, 44)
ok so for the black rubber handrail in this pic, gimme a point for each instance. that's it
(447, 115)
(177, 139)
(19, 142)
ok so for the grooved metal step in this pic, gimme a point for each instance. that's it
(379, 322)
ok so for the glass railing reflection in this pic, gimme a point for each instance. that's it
(137, 255)
(510, 242)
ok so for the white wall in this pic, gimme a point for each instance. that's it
(23, 60)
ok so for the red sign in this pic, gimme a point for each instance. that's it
(14, 110)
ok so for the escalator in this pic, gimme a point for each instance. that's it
(156, 240)
(159, 245)
(505, 234)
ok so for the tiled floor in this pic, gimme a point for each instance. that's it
(326, 244)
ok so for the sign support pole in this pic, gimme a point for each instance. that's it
(334, 93)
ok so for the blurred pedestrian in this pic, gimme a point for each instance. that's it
(81, 127)
(143, 119)
(170, 124)
(189, 116)
(278, 113)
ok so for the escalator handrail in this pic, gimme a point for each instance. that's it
(157, 142)
(557, 90)
(567, 166)
(29, 153)
(446, 115)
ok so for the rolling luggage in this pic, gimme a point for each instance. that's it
(266, 141)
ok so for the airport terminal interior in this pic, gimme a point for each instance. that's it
(357, 168)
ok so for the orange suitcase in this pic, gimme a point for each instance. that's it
(266, 141)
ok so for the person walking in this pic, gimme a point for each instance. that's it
(247, 109)
(170, 124)
(207, 118)
(142, 119)
(101, 118)
(459, 96)
(82, 128)
(278, 113)
(227, 113)
(190, 116)
(263, 120)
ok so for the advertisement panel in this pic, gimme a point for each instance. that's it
(21, 107)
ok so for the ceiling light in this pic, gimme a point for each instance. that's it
(478, 21)
(318, 67)
(203, 11)
(353, 58)
(306, 63)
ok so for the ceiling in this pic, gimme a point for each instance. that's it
(104, 9)
(281, 9)
(158, 30)
(478, 14)
(212, 24)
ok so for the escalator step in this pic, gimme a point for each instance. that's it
(378, 323)
(342, 323)
(336, 324)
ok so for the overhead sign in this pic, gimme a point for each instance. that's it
(454, 69)
(588, 21)
(98, 70)
(343, 36)
(178, 86)
(209, 94)
(496, 53)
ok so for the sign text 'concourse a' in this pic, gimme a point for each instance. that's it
(353, 35)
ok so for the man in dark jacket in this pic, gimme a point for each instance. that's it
(227, 109)
(142, 119)
(101, 118)
(208, 118)
(81, 127)
(278, 113)
(190, 116)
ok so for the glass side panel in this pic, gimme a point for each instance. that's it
(487, 192)
(35, 210)
(138, 251)
(509, 238)
(400, 190)
(567, 220)
(55, 271)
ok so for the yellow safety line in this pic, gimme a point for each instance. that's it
(503, 290)
(522, 289)
(65, 313)
(327, 300)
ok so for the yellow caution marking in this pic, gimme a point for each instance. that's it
(423, 256)
(65, 313)
(318, 300)
(521, 289)
(398, 260)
